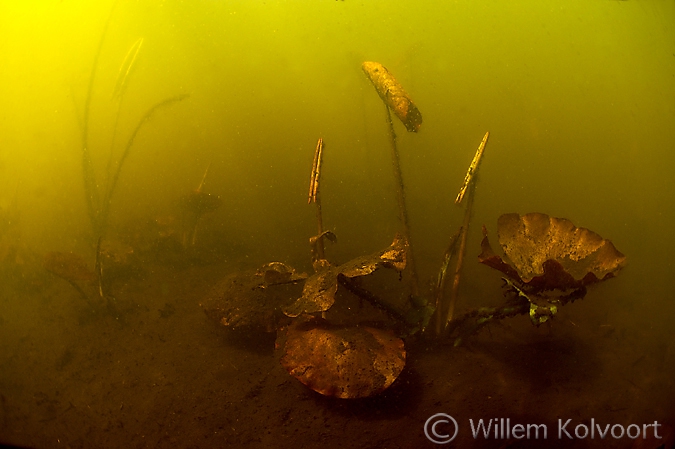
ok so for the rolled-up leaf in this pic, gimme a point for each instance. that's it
(393, 95)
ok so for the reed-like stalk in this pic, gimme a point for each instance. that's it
(469, 185)
(315, 197)
(97, 201)
(441, 281)
(105, 207)
(464, 232)
(117, 96)
(126, 68)
(88, 175)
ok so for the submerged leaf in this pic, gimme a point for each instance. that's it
(244, 299)
(275, 273)
(396, 255)
(319, 292)
(345, 362)
(549, 253)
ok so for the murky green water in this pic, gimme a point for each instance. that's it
(578, 97)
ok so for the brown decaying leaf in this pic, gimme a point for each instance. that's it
(344, 362)
(318, 294)
(274, 273)
(551, 253)
(244, 299)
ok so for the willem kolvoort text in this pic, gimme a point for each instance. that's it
(501, 428)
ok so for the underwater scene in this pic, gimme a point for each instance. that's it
(337, 223)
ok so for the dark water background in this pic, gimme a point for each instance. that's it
(579, 98)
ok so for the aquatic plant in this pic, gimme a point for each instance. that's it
(396, 99)
(551, 263)
(98, 202)
(196, 205)
(98, 199)
(71, 268)
(548, 262)
(346, 362)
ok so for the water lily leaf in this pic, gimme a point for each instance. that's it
(275, 273)
(245, 299)
(341, 361)
(318, 295)
(547, 253)
(392, 257)
(396, 255)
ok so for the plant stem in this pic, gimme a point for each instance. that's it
(469, 185)
(442, 280)
(89, 178)
(464, 231)
(105, 210)
(315, 197)
(402, 210)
